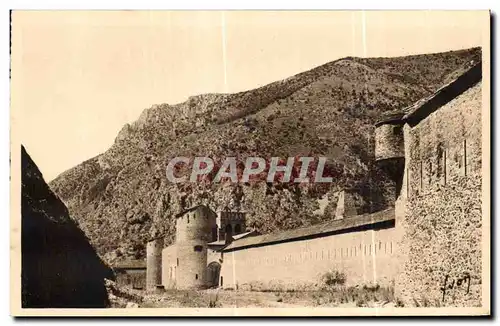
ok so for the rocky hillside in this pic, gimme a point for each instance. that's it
(60, 269)
(122, 196)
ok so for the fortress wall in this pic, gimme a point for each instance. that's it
(365, 257)
(213, 255)
(440, 206)
(169, 266)
(214, 262)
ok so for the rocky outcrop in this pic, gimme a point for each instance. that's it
(60, 269)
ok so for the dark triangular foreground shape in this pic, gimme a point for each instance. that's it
(60, 269)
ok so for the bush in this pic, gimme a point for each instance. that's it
(333, 278)
(213, 300)
(362, 296)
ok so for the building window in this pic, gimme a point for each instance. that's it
(177, 261)
(465, 157)
(421, 176)
(196, 277)
(407, 182)
(430, 172)
(198, 248)
(444, 166)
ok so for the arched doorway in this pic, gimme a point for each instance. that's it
(213, 272)
(229, 233)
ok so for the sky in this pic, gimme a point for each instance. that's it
(79, 76)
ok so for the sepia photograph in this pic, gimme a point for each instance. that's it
(250, 163)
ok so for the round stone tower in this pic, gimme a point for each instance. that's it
(194, 229)
(389, 140)
(389, 146)
(153, 263)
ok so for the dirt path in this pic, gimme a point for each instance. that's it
(253, 299)
(248, 299)
(217, 298)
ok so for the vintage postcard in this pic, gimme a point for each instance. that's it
(250, 163)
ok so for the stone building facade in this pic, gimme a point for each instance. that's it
(428, 245)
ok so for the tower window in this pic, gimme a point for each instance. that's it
(397, 130)
(430, 172)
(196, 276)
(177, 261)
(198, 248)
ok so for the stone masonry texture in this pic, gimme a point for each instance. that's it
(193, 232)
(153, 269)
(389, 141)
(439, 211)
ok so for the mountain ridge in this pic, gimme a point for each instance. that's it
(121, 197)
